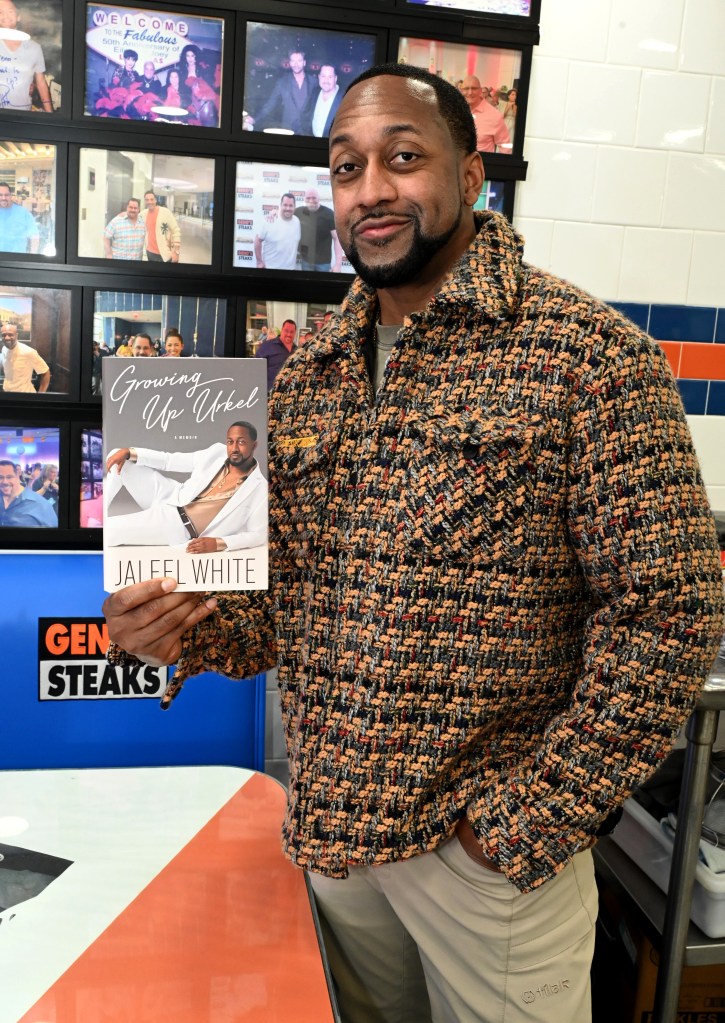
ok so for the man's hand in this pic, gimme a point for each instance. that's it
(118, 458)
(203, 545)
(148, 619)
(467, 837)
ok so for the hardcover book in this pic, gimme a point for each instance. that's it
(185, 472)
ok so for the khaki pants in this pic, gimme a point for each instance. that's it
(440, 938)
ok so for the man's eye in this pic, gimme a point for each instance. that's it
(344, 168)
(405, 157)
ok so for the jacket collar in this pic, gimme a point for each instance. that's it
(485, 280)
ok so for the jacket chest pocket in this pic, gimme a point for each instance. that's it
(301, 469)
(469, 487)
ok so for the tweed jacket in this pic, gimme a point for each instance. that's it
(495, 584)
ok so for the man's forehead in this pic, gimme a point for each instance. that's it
(389, 99)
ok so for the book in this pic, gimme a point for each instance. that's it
(185, 472)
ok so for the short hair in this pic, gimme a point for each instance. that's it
(13, 466)
(150, 191)
(290, 321)
(130, 54)
(144, 335)
(133, 199)
(287, 195)
(451, 103)
(296, 49)
(251, 430)
(4, 184)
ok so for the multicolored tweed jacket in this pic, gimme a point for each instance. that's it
(496, 585)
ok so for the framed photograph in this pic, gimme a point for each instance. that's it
(150, 65)
(264, 320)
(156, 207)
(295, 77)
(27, 198)
(488, 77)
(30, 55)
(510, 8)
(283, 219)
(35, 331)
(30, 481)
(170, 325)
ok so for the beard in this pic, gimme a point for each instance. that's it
(407, 267)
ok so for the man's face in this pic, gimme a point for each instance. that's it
(149, 200)
(149, 70)
(240, 445)
(312, 199)
(399, 184)
(173, 345)
(472, 91)
(287, 333)
(8, 14)
(9, 335)
(142, 347)
(297, 63)
(10, 485)
(133, 209)
(6, 197)
(287, 208)
(327, 78)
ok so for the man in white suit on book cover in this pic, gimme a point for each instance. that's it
(221, 506)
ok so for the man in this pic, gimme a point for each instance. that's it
(276, 350)
(289, 100)
(327, 102)
(19, 361)
(494, 586)
(46, 485)
(19, 506)
(149, 81)
(492, 135)
(142, 347)
(18, 229)
(173, 345)
(221, 506)
(124, 235)
(275, 246)
(22, 65)
(163, 234)
(318, 236)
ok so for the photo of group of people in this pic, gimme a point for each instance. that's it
(91, 479)
(27, 197)
(151, 65)
(517, 8)
(34, 341)
(295, 77)
(284, 220)
(29, 477)
(139, 324)
(30, 55)
(476, 71)
(154, 207)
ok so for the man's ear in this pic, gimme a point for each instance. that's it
(473, 177)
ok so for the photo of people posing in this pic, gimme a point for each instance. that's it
(296, 77)
(145, 206)
(283, 219)
(486, 76)
(30, 55)
(34, 341)
(29, 478)
(27, 197)
(276, 329)
(517, 8)
(91, 511)
(148, 65)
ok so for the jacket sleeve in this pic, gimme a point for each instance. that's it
(254, 518)
(641, 527)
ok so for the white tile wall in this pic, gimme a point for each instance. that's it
(626, 128)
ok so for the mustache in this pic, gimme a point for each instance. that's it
(381, 215)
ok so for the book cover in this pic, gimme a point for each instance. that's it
(185, 472)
